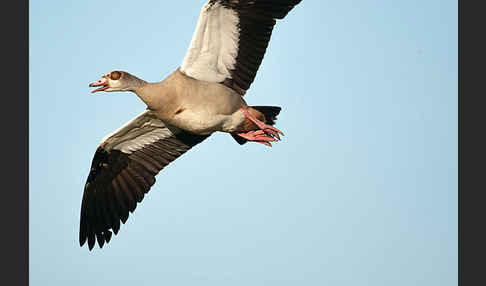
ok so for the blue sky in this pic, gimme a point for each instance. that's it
(361, 191)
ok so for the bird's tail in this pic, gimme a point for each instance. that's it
(269, 115)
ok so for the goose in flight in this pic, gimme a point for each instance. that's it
(204, 95)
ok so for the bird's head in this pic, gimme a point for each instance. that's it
(115, 81)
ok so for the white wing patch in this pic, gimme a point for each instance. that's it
(141, 131)
(214, 46)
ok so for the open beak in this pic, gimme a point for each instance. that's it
(103, 82)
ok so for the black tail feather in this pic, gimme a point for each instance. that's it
(270, 113)
(239, 139)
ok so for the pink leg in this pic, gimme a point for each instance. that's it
(266, 128)
(258, 136)
(265, 135)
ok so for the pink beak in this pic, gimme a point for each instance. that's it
(102, 82)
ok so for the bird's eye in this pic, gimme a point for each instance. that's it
(115, 75)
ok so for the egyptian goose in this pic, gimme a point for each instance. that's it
(204, 95)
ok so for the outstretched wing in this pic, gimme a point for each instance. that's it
(123, 170)
(231, 38)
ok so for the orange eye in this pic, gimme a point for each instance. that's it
(115, 75)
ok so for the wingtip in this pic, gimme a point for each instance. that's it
(91, 242)
(82, 237)
(101, 240)
(108, 236)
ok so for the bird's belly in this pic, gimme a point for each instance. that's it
(204, 123)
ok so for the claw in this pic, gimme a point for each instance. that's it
(275, 129)
(272, 132)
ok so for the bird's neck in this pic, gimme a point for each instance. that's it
(152, 94)
(159, 96)
(137, 84)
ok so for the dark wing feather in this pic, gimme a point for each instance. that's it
(118, 181)
(230, 40)
(256, 21)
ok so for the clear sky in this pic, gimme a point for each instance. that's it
(361, 191)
